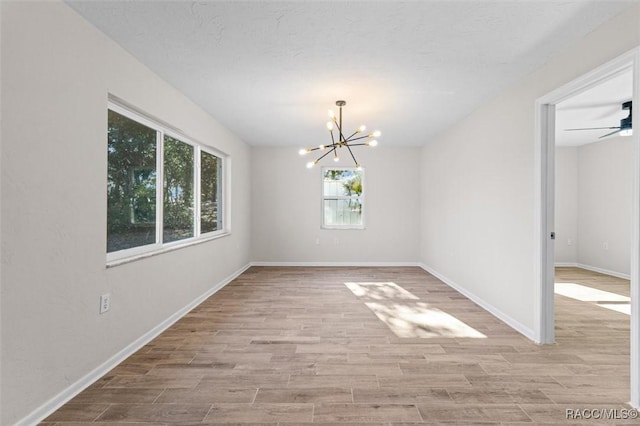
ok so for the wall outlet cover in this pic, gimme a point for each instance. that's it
(105, 303)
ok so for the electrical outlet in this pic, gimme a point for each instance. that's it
(105, 303)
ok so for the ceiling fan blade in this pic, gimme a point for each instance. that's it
(609, 134)
(595, 128)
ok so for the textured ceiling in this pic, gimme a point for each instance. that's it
(600, 106)
(270, 70)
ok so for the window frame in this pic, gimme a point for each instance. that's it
(361, 197)
(162, 129)
(224, 177)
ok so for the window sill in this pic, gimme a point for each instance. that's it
(172, 247)
(346, 228)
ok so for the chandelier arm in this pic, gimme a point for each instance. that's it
(341, 137)
(352, 156)
(357, 139)
(333, 141)
(323, 146)
(325, 154)
(339, 125)
(359, 144)
(352, 135)
(317, 148)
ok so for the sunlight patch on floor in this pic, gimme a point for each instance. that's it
(380, 291)
(406, 316)
(604, 299)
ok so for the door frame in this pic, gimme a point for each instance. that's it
(544, 204)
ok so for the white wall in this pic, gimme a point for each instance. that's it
(286, 203)
(480, 175)
(593, 205)
(1, 212)
(566, 204)
(56, 73)
(605, 174)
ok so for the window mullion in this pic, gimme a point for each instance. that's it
(197, 194)
(160, 187)
(220, 204)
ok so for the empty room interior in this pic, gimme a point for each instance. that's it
(274, 213)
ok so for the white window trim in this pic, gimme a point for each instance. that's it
(222, 189)
(141, 252)
(343, 197)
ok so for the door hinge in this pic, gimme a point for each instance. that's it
(553, 235)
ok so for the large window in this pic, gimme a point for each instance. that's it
(179, 186)
(342, 198)
(162, 188)
(210, 167)
(131, 184)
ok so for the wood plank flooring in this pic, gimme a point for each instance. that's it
(299, 346)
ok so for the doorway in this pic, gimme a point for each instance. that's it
(545, 207)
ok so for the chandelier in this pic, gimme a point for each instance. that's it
(339, 140)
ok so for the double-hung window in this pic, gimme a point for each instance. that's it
(163, 189)
(342, 198)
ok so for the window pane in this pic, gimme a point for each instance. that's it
(342, 191)
(178, 211)
(342, 183)
(210, 217)
(131, 184)
(341, 212)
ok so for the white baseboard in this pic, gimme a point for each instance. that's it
(516, 325)
(354, 264)
(63, 397)
(566, 265)
(594, 269)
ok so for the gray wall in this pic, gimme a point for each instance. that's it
(593, 205)
(478, 181)
(56, 73)
(286, 201)
(605, 176)
(566, 213)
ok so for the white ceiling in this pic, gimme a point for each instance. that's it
(270, 70)
(600, 106)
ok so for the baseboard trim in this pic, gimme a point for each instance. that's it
(66, 395)
(565, 265)
(594, 269)
(516, 325)
(354, 264)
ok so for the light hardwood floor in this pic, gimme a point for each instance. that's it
(298, 345)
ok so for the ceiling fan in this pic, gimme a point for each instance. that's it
(625, 128)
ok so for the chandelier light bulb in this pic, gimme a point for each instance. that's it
(310, 164)
(362, 128)
(373, 143)
(303, 151)
(376, 134)
(331, 114)
(329, 125)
